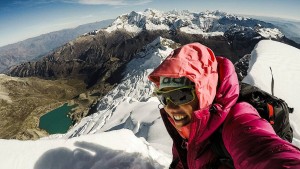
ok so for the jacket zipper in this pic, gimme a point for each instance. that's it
(184, 144)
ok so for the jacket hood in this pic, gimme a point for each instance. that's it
(226, 97)
(196, 62)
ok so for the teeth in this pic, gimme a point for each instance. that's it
(179, 117)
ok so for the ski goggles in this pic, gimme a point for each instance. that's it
(178, 96)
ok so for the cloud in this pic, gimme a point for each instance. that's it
(87, 16)
(84, 2)
(32, 2)
(114, 2)
(102, 2)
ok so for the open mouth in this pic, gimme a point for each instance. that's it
(179, 117)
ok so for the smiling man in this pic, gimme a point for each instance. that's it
(178, 97)
(199, 93)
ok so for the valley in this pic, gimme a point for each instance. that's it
(24, 100)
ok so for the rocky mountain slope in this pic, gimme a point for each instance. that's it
(36, 47)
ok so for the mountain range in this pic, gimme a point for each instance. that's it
(34, 48)
(290, 28)
(100, 55)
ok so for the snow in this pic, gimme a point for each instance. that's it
(270, 33)
(115, 149)
(152, 26)
(284, 61)
(118, 24)
(128, 132)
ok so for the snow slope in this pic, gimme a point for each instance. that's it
(285, 63)
(99, 141)
(115, 149)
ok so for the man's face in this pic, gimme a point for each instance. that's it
(182, 114)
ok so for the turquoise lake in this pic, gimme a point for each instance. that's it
(57, 121)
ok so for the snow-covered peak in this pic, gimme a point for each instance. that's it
(215, 13)
(151, 11)
(284, 60)
(208, 23)
(270, 33)
(156, 20)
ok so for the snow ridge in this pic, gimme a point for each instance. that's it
(130, 104)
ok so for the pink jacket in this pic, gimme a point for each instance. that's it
(250, 140)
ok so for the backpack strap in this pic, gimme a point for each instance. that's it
(271, 114)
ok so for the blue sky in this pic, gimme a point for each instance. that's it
(22, 19)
